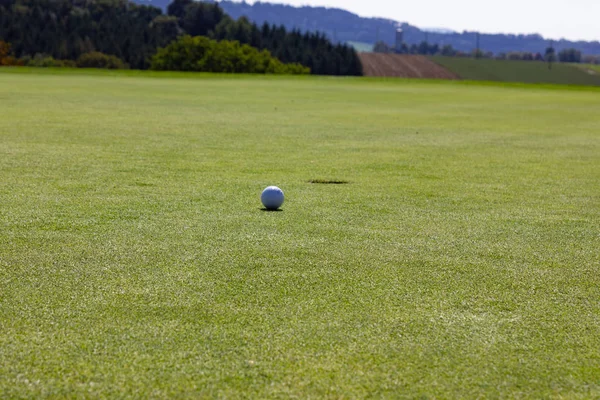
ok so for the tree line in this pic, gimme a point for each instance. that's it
(312, 50)
(67, 29)
(570, 55)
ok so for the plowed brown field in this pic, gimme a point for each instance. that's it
(403, 66)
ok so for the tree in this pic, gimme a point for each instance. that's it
(448, 51)
(199, 18)
(99, 60)
(477, 53)
(514, 56)
(313, 50)
(569, 55)
(205, 55)
(526, 56)
(165, 29)
(177, 8)
(67, 29)
(381, 47)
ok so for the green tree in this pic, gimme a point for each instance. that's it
(381, 47)
(202, 54)
(448, 51)
(100, 60)
(569, 55)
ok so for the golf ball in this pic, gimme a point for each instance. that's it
(272, 198)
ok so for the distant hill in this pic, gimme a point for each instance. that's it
(343, 26)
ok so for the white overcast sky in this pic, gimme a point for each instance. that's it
(555, 19)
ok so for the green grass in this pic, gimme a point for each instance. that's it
(362, 47)
(460, 261)
(593, 69)
(517, 71)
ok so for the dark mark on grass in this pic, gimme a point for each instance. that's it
(270, 210)
(329, 181)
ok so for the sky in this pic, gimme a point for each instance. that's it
(554, 19)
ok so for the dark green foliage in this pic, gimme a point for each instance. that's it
(569, 55)
(313, 50)
(382, 47)
(448, 51)
(166, 29)
(46, 61)
(524, 56)
(196, 18)
(202, 54)
(425, 48)
(96, 59)
(65, 29)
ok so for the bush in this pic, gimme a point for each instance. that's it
(42, 61)
(67, 63)
(100, 60)
(5, 56)
(204, 55)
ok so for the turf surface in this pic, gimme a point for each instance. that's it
(517, 71)
(592, 69)
(459, 261)
(362, 46)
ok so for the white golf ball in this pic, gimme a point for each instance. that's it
(272, 198)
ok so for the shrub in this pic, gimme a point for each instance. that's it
(202, 54)
(5, 56)
(68, 63)
(96, 59)
(4, 51)
(42, 61)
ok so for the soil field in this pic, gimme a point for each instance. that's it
(403, 66)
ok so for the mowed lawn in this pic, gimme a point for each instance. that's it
(518, 71)
(460, 261)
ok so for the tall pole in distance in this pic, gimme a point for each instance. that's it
(550, 54)
(477, 45)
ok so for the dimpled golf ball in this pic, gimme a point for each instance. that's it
(272, 198)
